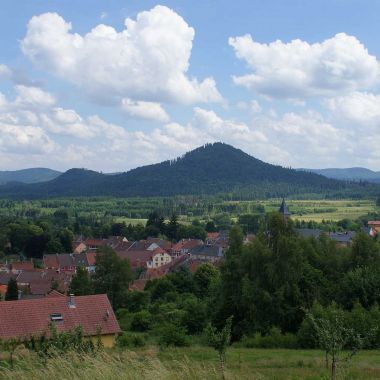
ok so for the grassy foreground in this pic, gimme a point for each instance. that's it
(191, 363)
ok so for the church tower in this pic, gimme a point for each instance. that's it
(283, 210)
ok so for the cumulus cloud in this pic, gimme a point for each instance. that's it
(24, 139)
(33, 96)
(358, 107)
(144, 110)
(298, 70)
(147, 61)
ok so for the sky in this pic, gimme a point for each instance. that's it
(112, 85)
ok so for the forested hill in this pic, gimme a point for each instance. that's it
(32, 175)
(348, 174)
(210, 169)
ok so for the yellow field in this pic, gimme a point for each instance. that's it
(316, 210)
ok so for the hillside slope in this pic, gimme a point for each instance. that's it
(210, 169)
(348, 174)
(32, 175)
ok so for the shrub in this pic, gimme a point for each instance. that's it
(172, 335)
(124, 317)
(275, 339)
(141, 321)
(131, 340)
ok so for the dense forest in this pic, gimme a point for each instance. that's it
(213, 168)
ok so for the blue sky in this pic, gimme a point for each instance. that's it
(294, 83)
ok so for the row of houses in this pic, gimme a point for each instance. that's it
(36, 283)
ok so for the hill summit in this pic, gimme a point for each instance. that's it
(212, 168)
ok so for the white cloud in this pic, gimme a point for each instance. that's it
(33, 96)
(147, 61)
(253, 106)
(24, 139)
(358, 107)
(144, 110)
(298, 70)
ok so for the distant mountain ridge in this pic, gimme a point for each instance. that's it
(348, 174)
(210, 169)
(32, 175)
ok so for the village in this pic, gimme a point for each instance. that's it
(43, 293)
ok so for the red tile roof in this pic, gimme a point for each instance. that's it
(137, 258)
(22, 265)
(91, 258)
(26, 318)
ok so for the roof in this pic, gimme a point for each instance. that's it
(207, 250)
(5, 277)
(95, 242)
(80, 260)
(308, 232)
(91, 258)
(212, 235)
(26, 318)
(137, 258)
(138, 285)
(284, 209)
(187, 244)
(22, 265)
(50, 261)
(342, 237)
(164, 244)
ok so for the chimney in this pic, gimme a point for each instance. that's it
(71, 302)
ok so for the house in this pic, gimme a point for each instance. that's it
(146, 259)
(95, 244)
(150, 244)
(19, 266)
(24, 319)
(41, 282)
(184, 246)
(79, 247)
(60, 262)
(342, 239)
(207, 253)
(115, 242)
(219, 239)
(375, 225)
(370, 231)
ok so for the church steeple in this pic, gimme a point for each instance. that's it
(283, 210)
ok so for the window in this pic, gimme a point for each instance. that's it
(56, 317)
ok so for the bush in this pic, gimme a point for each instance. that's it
(275, 339)
(141, 321)
(131, 340)
(124, 317)
(172, 335)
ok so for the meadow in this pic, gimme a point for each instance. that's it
(192, 363)
(136, 210)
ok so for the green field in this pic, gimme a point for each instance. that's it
(137, 210)
(192, 364)
(318, 210)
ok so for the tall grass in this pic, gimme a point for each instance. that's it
(189, 363)
(103, 366)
